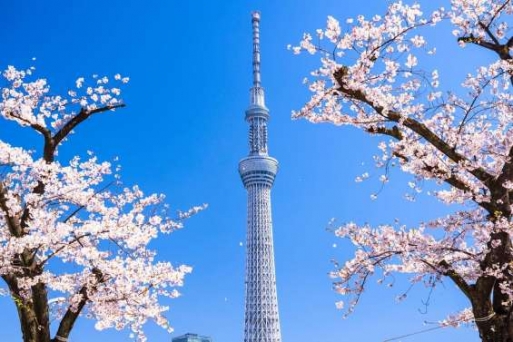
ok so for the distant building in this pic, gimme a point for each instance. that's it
(192, 338)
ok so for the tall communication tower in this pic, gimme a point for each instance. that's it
(258, 170)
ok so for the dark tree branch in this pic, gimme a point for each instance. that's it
(500, 49)
(71, 315)
(83, 115)
(499, 10)
(393, 132)
(486, 28)
(471, 106)
(509, 44)
(12, 223)
(52, 143)
(76, 239)
(37, 127)
(78, 209)
(412, 124)
(445, 269)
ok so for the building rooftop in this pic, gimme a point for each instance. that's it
(189, 337)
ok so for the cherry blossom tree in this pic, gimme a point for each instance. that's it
(370, 77)
(73, 241)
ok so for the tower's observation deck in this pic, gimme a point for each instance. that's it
(258, 170)
(258, 167)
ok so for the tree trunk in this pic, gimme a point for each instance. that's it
(491, 315)
(31, 328)
(496, 329)
(33, 314)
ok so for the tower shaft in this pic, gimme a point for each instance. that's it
(258, 171)
(262, 320)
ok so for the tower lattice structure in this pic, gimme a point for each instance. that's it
(258, 170)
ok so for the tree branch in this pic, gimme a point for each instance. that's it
(486, 28)
(412, 124)
(79, 118)
(52, 143)
(76, 239)
(453, 275)
(393, 132)
(71, 315)
(12, 223)
(78, 209)
(37, 127)
(500, 49)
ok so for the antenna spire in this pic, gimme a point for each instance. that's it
(257, 92)
(256, 48)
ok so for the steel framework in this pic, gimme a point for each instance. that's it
(258, 170)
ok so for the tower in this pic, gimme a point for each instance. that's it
(258, 170)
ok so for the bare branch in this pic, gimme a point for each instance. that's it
(83, 115)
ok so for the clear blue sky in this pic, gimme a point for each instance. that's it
(183, 133)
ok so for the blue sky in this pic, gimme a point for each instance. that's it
(183, 134)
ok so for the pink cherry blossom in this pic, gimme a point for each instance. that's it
(371, 76)
(77, 212)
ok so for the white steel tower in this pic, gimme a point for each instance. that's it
(258, 170)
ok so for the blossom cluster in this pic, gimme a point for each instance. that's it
(71, 225)
(377, 74)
